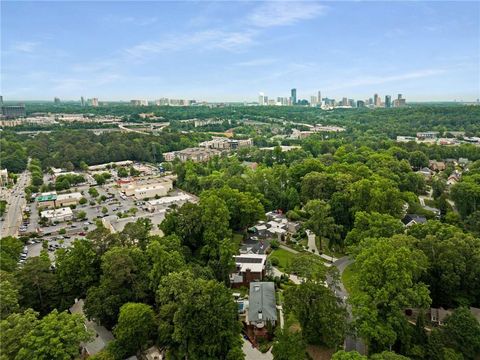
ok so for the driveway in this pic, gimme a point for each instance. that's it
(252, 353)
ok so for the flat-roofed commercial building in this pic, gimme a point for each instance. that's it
(68, 199)
(57, 215)
(148, 189)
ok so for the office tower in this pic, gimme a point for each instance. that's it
(377, 100)
(95, 102)
(351, 103)
(344, 101)
(262, 99)
(1, 100)
(319, 98)
(313, 100)
(293, 96)
(13, 111)
(388, 101)
(82, 101)
(399, 101)
(360, 104)
(56, 100)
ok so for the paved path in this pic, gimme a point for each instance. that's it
(252, 353)
(293, 278)
(289, 249)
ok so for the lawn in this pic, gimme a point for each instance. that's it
(347, 277)
(236, 241)
(284, 257)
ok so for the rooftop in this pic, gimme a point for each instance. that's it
(262, 304)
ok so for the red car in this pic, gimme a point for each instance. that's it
(81, 234)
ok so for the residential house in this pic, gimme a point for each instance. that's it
(101, 335)
(453, 178)
(438, 315)
(262, 310)
(248, 268)
(426, 172)
(412, 219)
(436, 165)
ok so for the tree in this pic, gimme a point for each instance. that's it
(388, 355)
(307, 266)
(472, 223)
(8, 295)
(10, 249)
(81, 215)
(184, 223)
(321, 222)
(387, 282)
(466, 195)
(93, 192)
(104, 210)
(135, 329)
(288, 345)
(82, 201)
(137, 232)
(56, 336)
(77, 270)
(200, 329)
(13, 329)
(38, 285)
(122, 172)
(418, 159)
(373, 225)
(321, 316)
(124, 279)
(350, 355)
(462, 333)
(165, 258)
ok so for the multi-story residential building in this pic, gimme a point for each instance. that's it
(14, 111)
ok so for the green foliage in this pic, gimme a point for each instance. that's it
(350, 355)
(56, 336)
(288, 345)
(38, 285)
(8, 295)
(386, 282)
(10, 249)
(124, 278)
(322, 223)
(135, 329)
(322, 318)
(204, 328)
(462, 333)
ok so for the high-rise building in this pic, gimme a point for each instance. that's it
(351, 103)
(313, 100)
(399, 101)
(262, 99)
(56, 100)
(293, 96)
(344, 101)
(139, 102)
(377, 100)
(1, 100)
(319, 97)
(162, 102)
(388, 101)
(94, 102)
(13, 111)
(82, 101)
(360, 104)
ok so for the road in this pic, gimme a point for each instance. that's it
(352, 343)
(16, 204)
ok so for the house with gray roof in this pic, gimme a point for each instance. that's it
(262, 309)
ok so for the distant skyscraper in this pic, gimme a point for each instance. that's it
(377, 100)
(319, 97)
(82, 101)
(360, 104)
(56, 100)
(95, 102)
(1, 100)
(344, 101)
(388, 101)
(262, 99)
(313, 100)
(293, 96)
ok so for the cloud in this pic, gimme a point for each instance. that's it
(376, 80)
(140, 21)
(280, 13)
(255, 62)
(25, 46)
(208, 39)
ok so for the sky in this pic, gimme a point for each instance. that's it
(231, 51)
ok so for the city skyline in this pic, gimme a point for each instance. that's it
(232, 51)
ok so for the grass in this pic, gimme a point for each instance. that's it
(284, 257)
(348, 278)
